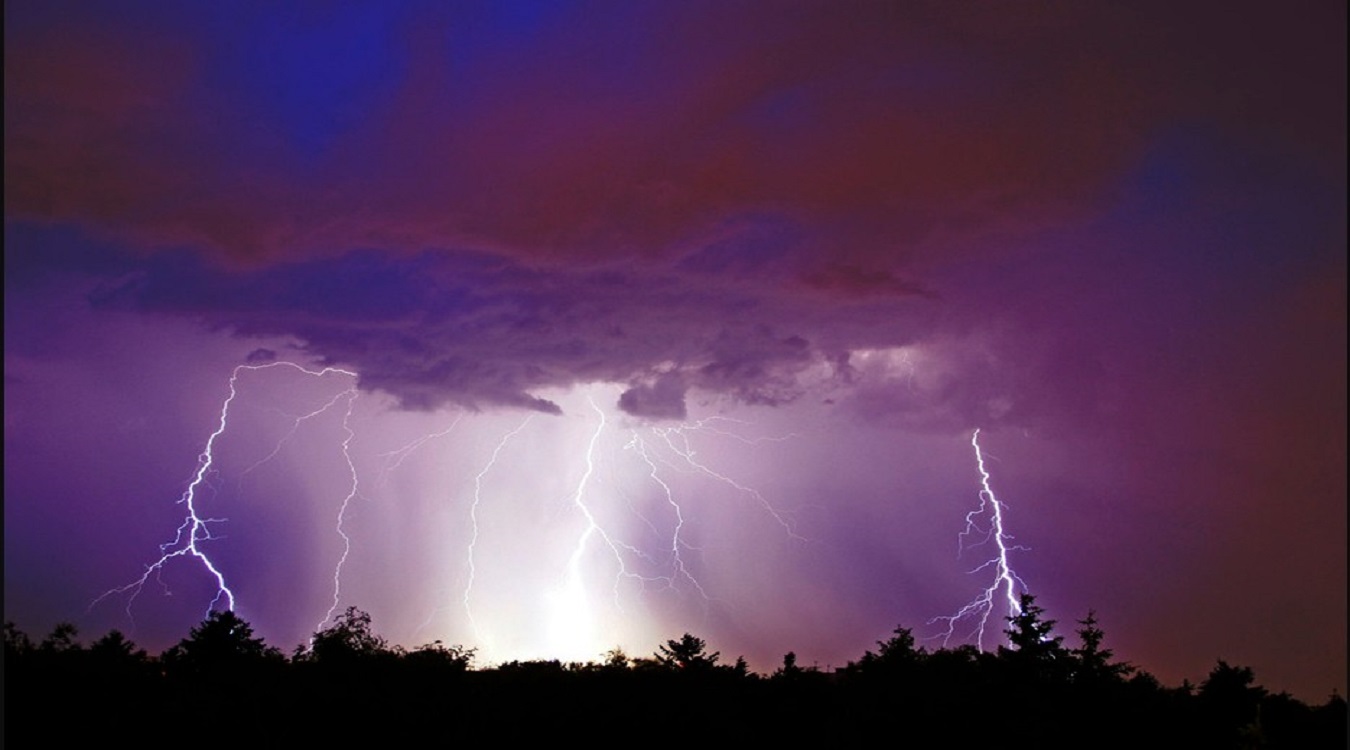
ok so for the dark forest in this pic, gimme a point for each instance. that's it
(222, 686)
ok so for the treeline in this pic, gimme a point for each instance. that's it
(222, 686)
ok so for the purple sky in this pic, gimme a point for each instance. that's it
(724, 287)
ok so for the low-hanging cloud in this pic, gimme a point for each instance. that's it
(481, 331)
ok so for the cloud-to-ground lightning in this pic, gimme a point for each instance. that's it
(195, 529)
(571, 624)
(473, 528)
(1006, 579)
(352, 494)
(570, 617)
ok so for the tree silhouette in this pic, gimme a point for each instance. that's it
(116, 647)
(1094, 662)
(61, 639)
(616, 660)
(222, 642)
(1031, 634)
(1037, 658)
(114, 651)
(688, 653)
(114, 661)
(17, 642)
(1230, 702)
(893, 654)
(349, 637)
(439, 658)
(1033, 693)
(789, 670)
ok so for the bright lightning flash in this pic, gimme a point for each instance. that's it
(473, 523)
(195, 528)
(352, 494)
(1006, 582)
(573, 618)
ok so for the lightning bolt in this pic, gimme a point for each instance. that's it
(195, 528)
(395, 458)
(473, 528)
(677, 542)
(1005, 579)
(295, 427)
(665, 562)
(707, 425)
(570, 620)
(352, 494)
(684, 449)
(676, 440)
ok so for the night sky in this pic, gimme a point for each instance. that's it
(659, 317)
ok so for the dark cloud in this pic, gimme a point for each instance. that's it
(885, 133)
(852, 279)
(663, 398)
(479, 331)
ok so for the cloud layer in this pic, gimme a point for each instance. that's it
(887, 134)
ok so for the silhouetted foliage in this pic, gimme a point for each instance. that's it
(114, 656)
(616, 660)
(1230, 703)
(222, 643)
(1031, 635)
(17, 643)
(438, 657)
(789, 669)
(533, 668)
(61, 639)
(741, 668)
(1037, 657)
(893, 654)
(688, 653)
(1094, 665)
(114, 647)
(349, 637)
(347, 686)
